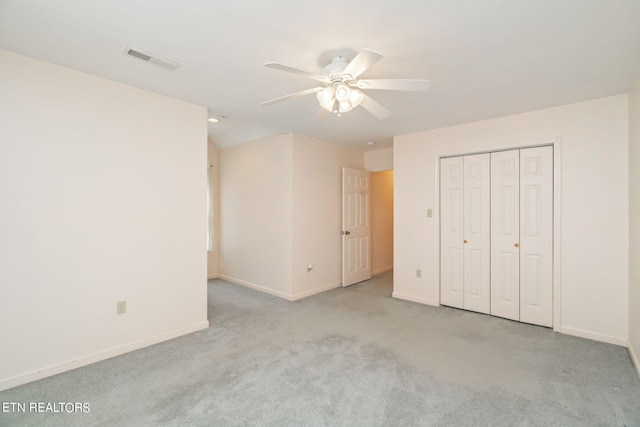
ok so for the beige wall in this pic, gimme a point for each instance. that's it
(280, 209)
(256, 213)
(381, 222)
(213, 257)
(102, 198)
(634, 223)
(379, 160)
(594, 236)
(317, 212)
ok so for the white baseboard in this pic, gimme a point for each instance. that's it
(279, 294)
(212, 276)
(58, 368)
(592, 336)
(257, 287)
(412, 298)
(316, 291)
(634, 358)
(382, 270)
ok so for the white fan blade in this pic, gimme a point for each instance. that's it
(282, 67)
(374, 108)
(395, 84)
(293, 95)
(361, 63)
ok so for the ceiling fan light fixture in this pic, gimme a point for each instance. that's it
(339, 98)
(335, 107)
(326, 98)
(342, 92)
(356, 97)
(345, 107)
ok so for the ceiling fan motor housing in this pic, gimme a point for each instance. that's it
(335, 68)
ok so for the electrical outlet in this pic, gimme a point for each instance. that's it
(121, 307)
(418, 273)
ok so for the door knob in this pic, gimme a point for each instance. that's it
(516, 245)
(347, 232)
(464, 241)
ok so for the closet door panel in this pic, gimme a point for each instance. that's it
(536, 235)
(451, 232)
(476, 244)
(505, 234)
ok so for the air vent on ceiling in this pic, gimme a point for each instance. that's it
(156, 60)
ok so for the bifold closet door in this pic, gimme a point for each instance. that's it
(496, 216)
(522, 235)
(476, 225)
(465, 232)
(505, 234)
(536, 235)
(451, 231)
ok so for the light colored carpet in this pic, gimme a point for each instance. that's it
(348, 357)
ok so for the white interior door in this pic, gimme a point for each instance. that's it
(356, 226)
(536, 235)
(451, 231)
(476, 243)
(505, 234)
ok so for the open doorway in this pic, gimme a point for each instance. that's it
(381, 222)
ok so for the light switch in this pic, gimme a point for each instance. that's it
(429, 213)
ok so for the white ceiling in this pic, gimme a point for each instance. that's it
(485, 58)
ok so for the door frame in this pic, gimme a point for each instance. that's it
(556, 143)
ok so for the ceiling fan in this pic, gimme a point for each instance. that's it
(341, 86)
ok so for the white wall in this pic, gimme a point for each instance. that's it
(317, 212)
(281, 209)
(634, 223)
(381, 222)
(256, 212)
(595, 195)
(102, 191)
(213, 257)
(379, 160)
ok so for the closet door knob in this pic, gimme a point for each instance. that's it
(464, 241)
(517, 245)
